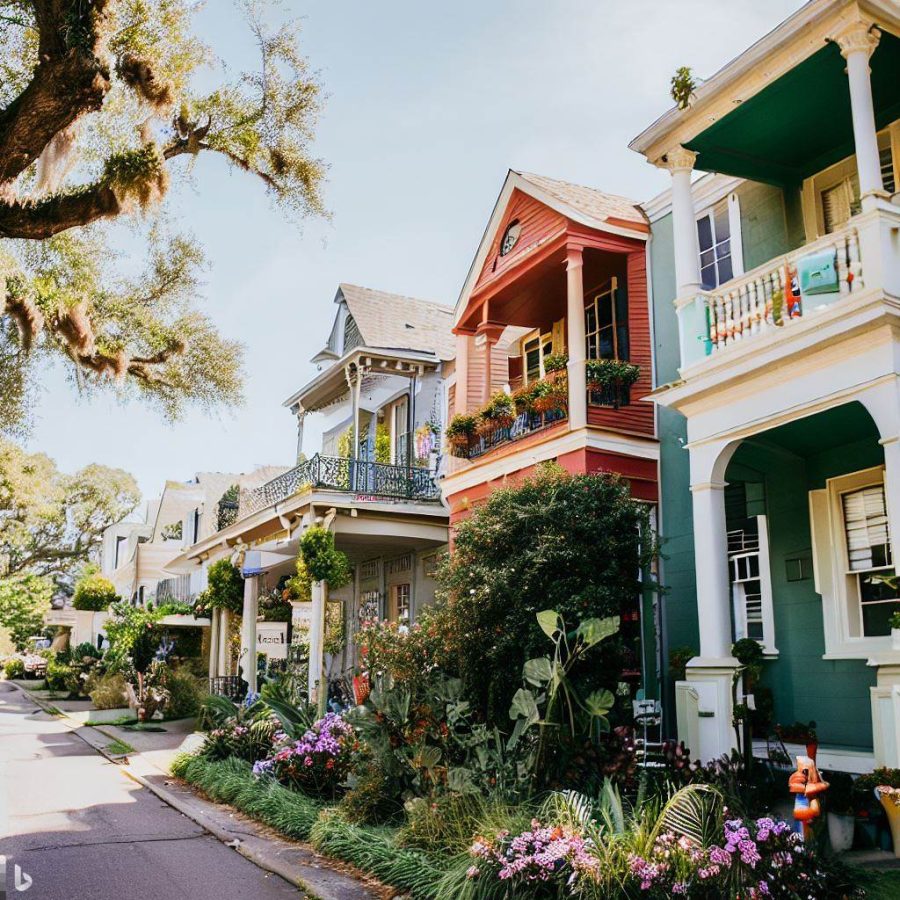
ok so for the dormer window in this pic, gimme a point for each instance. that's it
(510, 237)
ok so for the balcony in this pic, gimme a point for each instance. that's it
(334, 473)
(782, 294)
(524, 424)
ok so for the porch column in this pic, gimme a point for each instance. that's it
(461, 403)
(301, 416)
(316, 639)
(575, 338)
(858, 43)
(222, 642)
(488, 374)
(213, 642)
(680, 163)
(248, 632)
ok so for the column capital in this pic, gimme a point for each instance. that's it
(858, 37)
(574, 258)
(678, 159)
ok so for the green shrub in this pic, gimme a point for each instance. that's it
(224, 588)
(14, 667)
(231, 781)
(371, 850)
(61, 677)
(322, 560)
(186, 693)
(94, 593)
(371, 800)
(107, 691)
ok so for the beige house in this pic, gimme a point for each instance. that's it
(380, 395)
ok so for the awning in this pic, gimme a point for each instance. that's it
(801, 123)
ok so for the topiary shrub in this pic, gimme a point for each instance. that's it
(224, 588)
(94, 593)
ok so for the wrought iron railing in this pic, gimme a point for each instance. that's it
(232, 686)
(614, 395)
(176, 589)
(340, 474)
(525, 423)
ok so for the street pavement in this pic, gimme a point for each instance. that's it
(80, 829)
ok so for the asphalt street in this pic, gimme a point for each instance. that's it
(80, 829)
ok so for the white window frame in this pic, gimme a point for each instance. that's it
(543, 339)
(761, 552)
(831, 567)
(736, 244)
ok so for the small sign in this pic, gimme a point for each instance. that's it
(301, 615)
(271, 639)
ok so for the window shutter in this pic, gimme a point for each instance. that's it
(886, 159)
(451, 400)
(836, 206)
(559, 336)
(866, 526)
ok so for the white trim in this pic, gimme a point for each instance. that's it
(611, 442)
(706, 190)
(737, 240)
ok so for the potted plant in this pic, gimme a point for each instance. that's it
(839, 800)
(500, 412)
(523, 399)
(613, 376)
(551, 395)
(460, 432)
(884, 785)
(554, 363)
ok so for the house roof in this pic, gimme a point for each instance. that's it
(598, 205)
(395, 322)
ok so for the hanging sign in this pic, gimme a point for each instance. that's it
(271, 639)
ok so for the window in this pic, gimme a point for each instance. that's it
(510, 237)
(839, 203)
(400, 564)
(534, 351)
(751, 584)
(369, 603)
(714, 238)
(400, 603)
(606, 323)
(369, 569)
(118, 559)
(886, 158)
(401, 432)
(868, 552)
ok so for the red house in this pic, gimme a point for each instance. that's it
(554, 350)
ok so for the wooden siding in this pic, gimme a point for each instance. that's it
(499, 373)
(539, 223)
(638, 416)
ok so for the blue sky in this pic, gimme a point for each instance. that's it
(428, 106)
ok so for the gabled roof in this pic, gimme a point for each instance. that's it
(584, 205)
(394, 322)
(598, 205)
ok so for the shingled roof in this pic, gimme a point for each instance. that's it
(394, 322)
(589, 201)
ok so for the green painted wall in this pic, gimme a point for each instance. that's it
(771, 222)
(834, 693)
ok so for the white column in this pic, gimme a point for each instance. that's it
(222, 661)
(486, 388)
(711, 564)
(213, 642)
(248, 632)
(301, 415)
(316, 639)
(575, 338)
(461, 404)
(857, 44)
(680, 163)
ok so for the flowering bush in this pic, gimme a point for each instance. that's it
(404, 653)
(528, 861)
(318, 762)
(246, 740)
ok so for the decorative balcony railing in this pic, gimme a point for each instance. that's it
(770, 296)
(524, 424)
(340, 474)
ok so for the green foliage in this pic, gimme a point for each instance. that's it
(382, 444)
(186, 693)
(174, 608)
(14, 667)
(679, 657)
(24, 601)
(611, 373)
(499, 412)
(225, 588)
(94, 593)
(405, 655)
(555, 362)
(132, 635)
(682, 87)
(172, 531)
(53, 522)
(60, 677)
(373, 851)
(322, 560)
(370, 800)
(231, 781)
(461, 429)
(574, 544)
(107, 691)
(227, 511)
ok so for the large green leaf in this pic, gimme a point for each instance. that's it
(548, 619)
(694, 811)
(600, 702)
(538, 671)
(592, 631)
(294, 722)
(524, 707)
(461, 780)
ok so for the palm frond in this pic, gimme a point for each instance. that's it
(611, 810)
(295, 721)
(694, 812)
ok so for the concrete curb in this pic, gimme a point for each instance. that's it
(312, 880)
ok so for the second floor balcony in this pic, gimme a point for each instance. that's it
(334, 473)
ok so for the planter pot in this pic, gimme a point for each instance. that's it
(840, 832)
(892, 811)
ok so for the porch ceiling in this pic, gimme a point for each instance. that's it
(792, 129)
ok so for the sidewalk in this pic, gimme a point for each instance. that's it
(147, 762)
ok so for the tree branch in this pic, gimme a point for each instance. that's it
(45, 218)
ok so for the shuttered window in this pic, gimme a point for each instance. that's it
(886, 159)
(868, 545)
(839, 203)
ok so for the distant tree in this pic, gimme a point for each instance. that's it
(94, 593)
(99, 99)
(50, 522)
(24, 601)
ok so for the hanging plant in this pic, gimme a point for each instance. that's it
(499, 413)
(551, 395)
(602, 373)
(460, 431)
(555, 362)
(683, 85)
